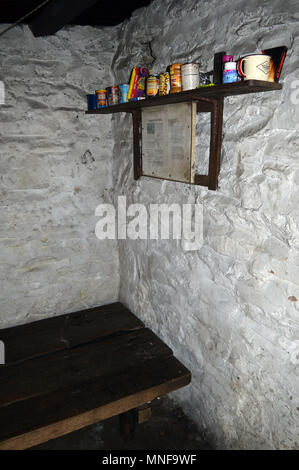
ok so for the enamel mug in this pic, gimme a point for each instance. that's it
(254, 67)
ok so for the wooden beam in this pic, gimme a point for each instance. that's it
(136, 115)
(215, 143)
(57, 14)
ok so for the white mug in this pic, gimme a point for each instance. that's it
(254, 67)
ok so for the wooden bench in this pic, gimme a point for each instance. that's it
(67, 372)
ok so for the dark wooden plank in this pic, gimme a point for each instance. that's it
(202, 180)
(204, 107)
(217, 91)
(136, 115)
(218, 67)
(39, 419)
(215, 143)
(48, 373)
(64, 331)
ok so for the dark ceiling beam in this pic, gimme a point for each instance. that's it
(57, 14)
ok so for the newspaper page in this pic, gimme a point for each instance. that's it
(167, 142)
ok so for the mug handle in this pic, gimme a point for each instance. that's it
(240, 70)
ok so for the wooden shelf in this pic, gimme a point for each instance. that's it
(209, 100)
(212, 92)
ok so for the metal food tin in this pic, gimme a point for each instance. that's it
(152, 85)
(230, 73)
(176, 83)
(112, 95)
(164, 84)
(175, 69)
(92, 101)
(101, 98)
(190, 76)
(175, 78)
(123, 93)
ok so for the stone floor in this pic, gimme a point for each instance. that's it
(167, 429)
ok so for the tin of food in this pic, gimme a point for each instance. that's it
(152, 85)
(190, 76)
(175, 78)
(164, 84)
(112, 95)
(91, 101)
(123, 93)
(101, 97)
(230, 73)
(175, 69)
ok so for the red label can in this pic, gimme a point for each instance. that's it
(112, 95)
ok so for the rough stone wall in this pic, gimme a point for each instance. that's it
(230, 310)
(55, 168)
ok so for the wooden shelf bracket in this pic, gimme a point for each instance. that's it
(204, 105)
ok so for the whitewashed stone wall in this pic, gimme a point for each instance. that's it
(55, 168)
(230, 310)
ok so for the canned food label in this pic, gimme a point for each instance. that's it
(101, 98)
(164, 84)
(152, 86)
(123, 93)
(230, 76)
(112, 95)
(176, 81)
(175, 69)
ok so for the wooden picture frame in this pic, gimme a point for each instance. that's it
(168, 141)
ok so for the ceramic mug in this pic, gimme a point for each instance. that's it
(254, 67)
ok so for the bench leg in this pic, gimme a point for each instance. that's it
(129, 420)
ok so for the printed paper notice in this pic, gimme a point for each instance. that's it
(166, 141)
